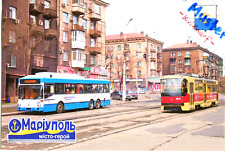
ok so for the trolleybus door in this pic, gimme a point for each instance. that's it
(204, 92)
(191, 94)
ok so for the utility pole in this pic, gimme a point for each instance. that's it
(124, 63)
(147, 64)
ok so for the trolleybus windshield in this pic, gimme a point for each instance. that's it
(30, 92)
(173, 87)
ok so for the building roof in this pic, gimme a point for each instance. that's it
(121, 36)
(184, 45)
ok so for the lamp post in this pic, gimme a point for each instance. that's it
(124, 64)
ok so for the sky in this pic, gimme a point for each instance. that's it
(162, 20)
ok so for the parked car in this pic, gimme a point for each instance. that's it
(133, 94)
(118, 95)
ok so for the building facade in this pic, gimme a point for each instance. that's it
(29, 42)
(142, 56)
(81, 43)
(191, 58)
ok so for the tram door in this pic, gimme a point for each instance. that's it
(191, 94)
(204, 92)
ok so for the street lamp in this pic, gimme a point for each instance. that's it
(124, 64)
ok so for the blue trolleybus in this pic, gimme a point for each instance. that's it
(49, 92)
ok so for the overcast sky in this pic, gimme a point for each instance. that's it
(161, 19)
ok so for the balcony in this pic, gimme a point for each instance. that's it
(187, 56)
(94, 16)
(159, 60)
(77, 64)
(77, 9)
(95, 50)
(36, 9)
(78, 44)
(49, 13)
(50, 33)
(78, 27)
(95, 33)
(153, 50)
(36, 30)
(153, 59)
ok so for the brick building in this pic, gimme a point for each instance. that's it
(142, 55)
(29, 34)
(81, 43)
(193, 59)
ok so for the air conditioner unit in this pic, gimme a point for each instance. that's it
(17, 21)
(61, 51)
(63, 5)
(40, 23)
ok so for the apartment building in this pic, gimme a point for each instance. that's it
(192, 59)
(81, 43)
(29, 34)
(142, 56)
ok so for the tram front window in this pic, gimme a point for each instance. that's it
(30, 92)
(173, 87)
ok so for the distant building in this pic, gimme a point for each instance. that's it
(193, 59)
(29, 33)
(81, 43)
(142, 55)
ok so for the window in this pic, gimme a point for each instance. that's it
(65, 17)
(47, 4)
(139, 64)
(85, 23)
(111, 56)
(12, 12)
(80, 2)
(139, 46)
(92, 42)
(119, 56)
(187, 61)
(32, 1)
(88, 88)
(49, 90)
(119, 47)
(65, 2)
(80, 88)
(138, 73)
(12, 36)
(95, 88)
(47, 45)
(179, 54)
(65, 55)
(65, 36)
(92, 60)
(139, 55)
(98, 9)
(85, 7)
(188, 53)
(75, 20)
(59, 89)
(33, 19)
(158, 49)
(119, 65)
(78, 55)
(180, 69)
(179, 61)
(92, 25)
(111, 74)
(127, 47)
(111, 65)
(47, 24)
(12, 61)
(70, 88)
(172, 54)
(85, 59)
(105, 88)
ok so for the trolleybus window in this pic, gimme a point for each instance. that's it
(30, 92)
(174, 87)
(59, 88)
(49, 90)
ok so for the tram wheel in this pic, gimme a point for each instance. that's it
(91, 105)
(60, 107)
(98, 104)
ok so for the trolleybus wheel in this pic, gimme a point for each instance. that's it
(98, 104)
(60, 107)
(91, 105)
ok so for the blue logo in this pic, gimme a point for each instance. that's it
(14, 125)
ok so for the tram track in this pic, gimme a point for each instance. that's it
(104, 124)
